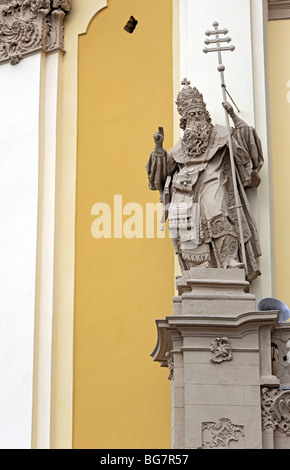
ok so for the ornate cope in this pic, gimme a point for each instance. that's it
(28, 26)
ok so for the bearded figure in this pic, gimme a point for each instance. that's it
(196, 175)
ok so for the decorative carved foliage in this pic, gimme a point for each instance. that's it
(276, 410)
(219, 435)
(221, 350)
(28, 26)
(169, 357)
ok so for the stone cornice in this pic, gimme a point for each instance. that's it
(185, 324)
(279, 9)
(29, 26)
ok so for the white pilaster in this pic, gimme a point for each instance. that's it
(19, 141)
(246, 80)
(49, 155)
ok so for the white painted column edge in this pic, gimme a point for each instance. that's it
(48, 136)
(259, 27)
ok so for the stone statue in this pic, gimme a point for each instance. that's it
(196, 185)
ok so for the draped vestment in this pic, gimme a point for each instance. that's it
(202, 215)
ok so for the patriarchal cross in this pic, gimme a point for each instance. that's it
(185, 82)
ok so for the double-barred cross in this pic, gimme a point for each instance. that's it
(218, 40)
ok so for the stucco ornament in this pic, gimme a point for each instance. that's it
(276, 410)
(221, 434)
(28, 26)
(195, 182)
(221, 350)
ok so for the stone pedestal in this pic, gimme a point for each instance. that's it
(213, 292)
(218, 349)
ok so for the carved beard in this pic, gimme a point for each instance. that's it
(196, 139)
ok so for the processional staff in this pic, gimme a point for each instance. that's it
(221, 68)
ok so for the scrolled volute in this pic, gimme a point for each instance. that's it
(29, 26)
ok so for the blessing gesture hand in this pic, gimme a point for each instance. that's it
(159, 137)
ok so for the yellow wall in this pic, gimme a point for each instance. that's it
(279, 36)
(121, 397)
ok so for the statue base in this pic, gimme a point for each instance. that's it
(217, 347)
(209, 291)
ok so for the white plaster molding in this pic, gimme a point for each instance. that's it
(49, 115)
(52, 424)
(29, 26)
(279, 9)
(19, 139)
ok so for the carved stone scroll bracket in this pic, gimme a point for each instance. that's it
(276, 410)
(221, 350)
(220, 435)
(29, 26)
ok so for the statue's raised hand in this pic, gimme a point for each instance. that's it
(159, 137)
(229, 109)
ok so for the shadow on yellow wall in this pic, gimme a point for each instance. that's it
(121, 398)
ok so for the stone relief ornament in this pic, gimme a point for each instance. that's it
(276, 410)
(219, 435)
(221, 350)
(28, 26)
(169, 357)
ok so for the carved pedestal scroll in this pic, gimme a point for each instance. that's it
(29, 26)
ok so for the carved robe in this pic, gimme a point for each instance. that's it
(202, 215)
